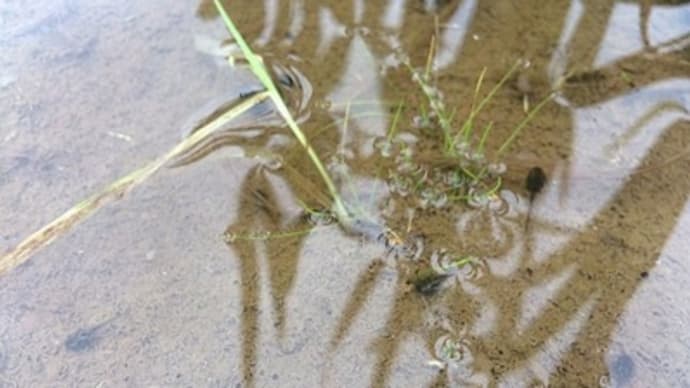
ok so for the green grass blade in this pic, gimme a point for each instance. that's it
(518, 128)
(257, 66)
(485, 135)
(115, 190)
(394, 124)
(465, 130)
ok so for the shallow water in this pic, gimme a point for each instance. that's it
(147, 292)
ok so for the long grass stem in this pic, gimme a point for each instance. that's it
(394, 124)
(116, 190)
(522, 124)
(258, 68)
(466, 128)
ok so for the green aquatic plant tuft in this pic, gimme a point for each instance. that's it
(461, 171)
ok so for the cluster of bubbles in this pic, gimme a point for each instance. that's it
(460, 267)
(409, 178)
(431, 91)
(470, 179)
(410, 249)
(451, 349)
(454, 356)
(320, 217)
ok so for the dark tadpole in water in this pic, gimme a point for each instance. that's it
(536, 178)
(429, 283)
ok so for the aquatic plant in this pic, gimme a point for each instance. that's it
(462, 171)
(259, 69)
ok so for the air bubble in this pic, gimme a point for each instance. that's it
(605, 381)
(498, 204)
(450, 350)
(477, 199)
(497, 169)
(462, 147)
(427, 197)
(407, 166)
(472, 268)
(321, 218)
(274, 163)
(400, 185)
(440, 261)
(386, 147)
(454, 179)
(477, 157)
(406, 152)
(338, 167)
(440, 201)
(417, 245)
(421, 122)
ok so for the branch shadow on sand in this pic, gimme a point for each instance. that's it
(605, 261)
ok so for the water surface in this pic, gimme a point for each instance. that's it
(150, 291)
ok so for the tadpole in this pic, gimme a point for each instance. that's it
(428, 282)
(536, 178)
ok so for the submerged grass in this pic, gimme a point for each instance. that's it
(474, 172)
(462, 171)
(466, 129)
(117, 189)
(259, 69)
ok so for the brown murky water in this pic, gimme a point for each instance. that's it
(149, 291)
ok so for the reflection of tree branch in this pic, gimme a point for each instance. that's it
(591, 30)
(645, 12)
(646, 118)
(283, 258)
(607, 271)
(592, 86)
(250, 287)
(595, 86)
(405, 314)
(360, 294)
(613, 272)
(260, 210)
(619, 275)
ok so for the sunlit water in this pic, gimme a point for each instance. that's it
(211, 274)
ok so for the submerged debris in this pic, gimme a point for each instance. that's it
(429, 282)
(443, 266)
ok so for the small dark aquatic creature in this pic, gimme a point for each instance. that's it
(429, 282)
(536, 178)
(86, 338)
